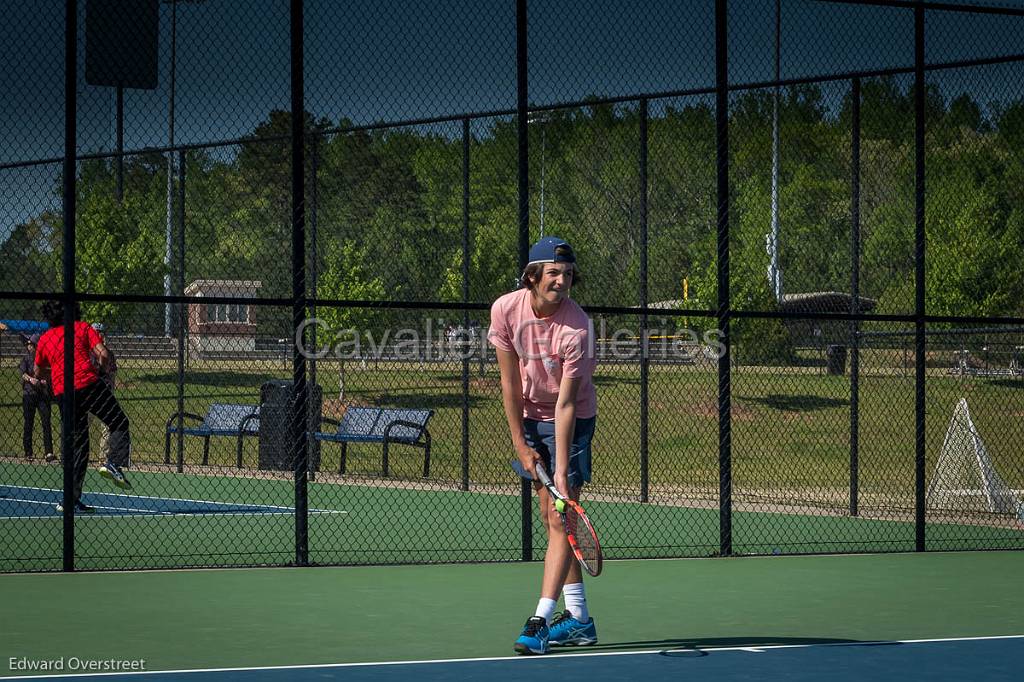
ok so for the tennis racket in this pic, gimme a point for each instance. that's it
(578, 528)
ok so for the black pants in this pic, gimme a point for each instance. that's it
(98, 400)
(30, 403)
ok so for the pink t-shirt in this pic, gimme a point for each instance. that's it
(548, 349)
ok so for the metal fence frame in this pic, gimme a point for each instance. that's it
(304, 300)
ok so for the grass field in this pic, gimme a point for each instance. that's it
(791, 426)
(790, 463)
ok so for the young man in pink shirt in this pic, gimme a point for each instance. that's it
(545, 350)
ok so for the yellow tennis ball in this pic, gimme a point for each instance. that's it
(560, 506)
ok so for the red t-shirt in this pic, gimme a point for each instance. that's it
(50, 353)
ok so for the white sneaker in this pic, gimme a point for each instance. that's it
(114, 473)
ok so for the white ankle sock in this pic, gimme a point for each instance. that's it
(576, 601)
(546, 608)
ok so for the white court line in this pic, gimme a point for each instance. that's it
(523, 659)
(157, 512)
(153, 497)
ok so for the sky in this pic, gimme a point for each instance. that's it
(391, 60)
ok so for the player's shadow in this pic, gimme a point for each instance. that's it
(701, 646)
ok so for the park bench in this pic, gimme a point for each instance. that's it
(379, 425)
(221, 419)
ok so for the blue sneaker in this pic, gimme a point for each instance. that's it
(534, 638)
(567, 631)
(114, 473)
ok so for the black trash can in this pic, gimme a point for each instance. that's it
(835, 359)
(276, 398)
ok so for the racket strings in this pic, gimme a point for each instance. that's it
(586, 540)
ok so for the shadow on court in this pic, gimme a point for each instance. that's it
(696, 645)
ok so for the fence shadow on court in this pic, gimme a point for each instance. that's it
(218, 379)
(795, 403)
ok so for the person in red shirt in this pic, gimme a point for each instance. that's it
(91, 395)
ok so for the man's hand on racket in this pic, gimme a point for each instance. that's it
(528, 458)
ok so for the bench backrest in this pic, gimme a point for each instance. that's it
(223, 416)
(374, 421)
(402, 432)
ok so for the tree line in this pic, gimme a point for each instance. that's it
(386, 208)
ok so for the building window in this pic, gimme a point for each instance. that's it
(227, 312)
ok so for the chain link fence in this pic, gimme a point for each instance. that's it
(798, 222)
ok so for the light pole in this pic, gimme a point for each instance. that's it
(774, 260)
(168, 244)
(542, 119)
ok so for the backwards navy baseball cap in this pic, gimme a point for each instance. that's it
(545, 251)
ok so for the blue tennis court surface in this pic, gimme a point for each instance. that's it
(24, 502)
(981, 658)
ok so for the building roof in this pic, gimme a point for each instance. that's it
(229, 287)
(824, 302)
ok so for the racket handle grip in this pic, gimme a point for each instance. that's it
(545, 480)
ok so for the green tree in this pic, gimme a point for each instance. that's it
(350, 273)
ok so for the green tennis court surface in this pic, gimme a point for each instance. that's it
(185, 520)
(708, 618)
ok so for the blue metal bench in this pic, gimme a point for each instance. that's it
(221, 419)
(380, 425)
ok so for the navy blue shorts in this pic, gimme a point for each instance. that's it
(541, 437)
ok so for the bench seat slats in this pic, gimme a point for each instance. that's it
(221, 419)
(381, 425)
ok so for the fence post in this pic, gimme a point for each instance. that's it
(464, 344)
(522, 132)
(855, 298)
(314, 256)
(68, 208)
(182, 310)
(724, 368)
(919, 272)
(644, 358)
(299, 416)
